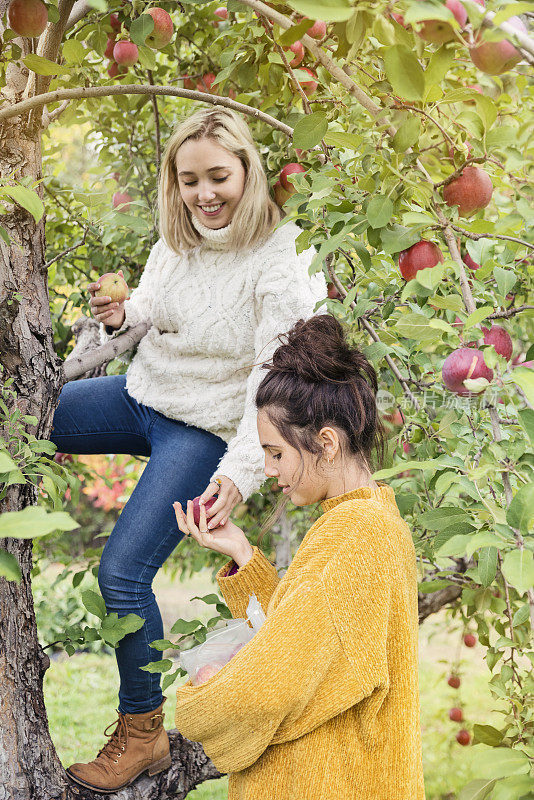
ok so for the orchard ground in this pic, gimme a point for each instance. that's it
(81, 692)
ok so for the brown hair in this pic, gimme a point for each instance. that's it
(316, 378)
(256, 214)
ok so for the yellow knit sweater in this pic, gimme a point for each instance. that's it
(323, 702)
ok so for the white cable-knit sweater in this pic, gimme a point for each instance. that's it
(214, 313)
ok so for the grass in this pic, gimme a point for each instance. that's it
(81, 698)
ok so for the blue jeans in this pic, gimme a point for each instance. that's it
(97, 415)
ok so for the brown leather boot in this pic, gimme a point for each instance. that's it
(138, 743)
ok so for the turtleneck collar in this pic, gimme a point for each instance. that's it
(215, 239)
(382, 493)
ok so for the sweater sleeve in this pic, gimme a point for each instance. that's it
(258, 576)
(296, 673)
(284, 293)
(138, 307)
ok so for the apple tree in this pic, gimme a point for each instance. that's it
(399, 138)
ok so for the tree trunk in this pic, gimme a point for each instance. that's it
(29, 766)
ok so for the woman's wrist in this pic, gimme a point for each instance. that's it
(244, 556)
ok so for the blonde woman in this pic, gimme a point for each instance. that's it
(222, 281)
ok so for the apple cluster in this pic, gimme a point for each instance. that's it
(123, 53)
(491, 57)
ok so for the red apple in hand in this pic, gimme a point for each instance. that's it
(421, 255)
(462, 364)
(456, 714)
(27, 17)
(196, 508)
(290, 169)
(163, 29)
(112, 285)
(438, 31)
(470, 191)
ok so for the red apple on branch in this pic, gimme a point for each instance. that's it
(280, 194)
(115, 22)
(470, 191)
(290, 169)
(163, 29)
(494, 58)
(438, 31)
(464, 363)
(317, 30)
(421, 255)
(297, 48)
(463, 737)
(189, 83)
(454, 681)
(125, 53)
(500, 339)
(115, 71)
(309, 87)
(221, 12)
(333, 293)
(456, 714)
(108, 52)
(121, 199)
(468, 261)
(470, 640)
(206, 82)
(27, 17)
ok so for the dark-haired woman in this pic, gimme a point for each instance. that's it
(323, 702)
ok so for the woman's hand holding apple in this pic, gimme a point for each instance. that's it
(227, 539)
(105, 308)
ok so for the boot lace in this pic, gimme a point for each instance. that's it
(118, 739)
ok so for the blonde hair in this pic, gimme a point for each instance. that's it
(256, 214)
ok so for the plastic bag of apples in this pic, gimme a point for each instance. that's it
(205, 660)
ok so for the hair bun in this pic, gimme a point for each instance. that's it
(316, 350)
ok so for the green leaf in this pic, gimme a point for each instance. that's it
(383, 474)
(521, 615)
(162, 644)
(477, 316)
(518, 569)
(42, 66)
(487, 565)
(526, 417)
(94, 603)
(438, 66)
(141, 28)
(26, 198)
(73, 51)
(441, 518)
(327, 10)
(348, 141)
(131, 623)
(511, 10)
(455, 546)
(397, 238)
(158, 666)
(487, 734)
(309, 130)
(379, 211)
(34, 521)
(499, 762)
(515, 787)
(404, 72)
(416, 326)
(478, 789)
(506, 280)
(9, 566)
(433, 586)
(407, 134)
(169, 679)
(521, 510)
(524, 377)
(6, 463)
(185, 627)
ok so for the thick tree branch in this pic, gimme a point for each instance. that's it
(78, 93)
(509, 313)
(477, 236)
(74, 366)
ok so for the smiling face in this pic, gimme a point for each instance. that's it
(209, 175)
